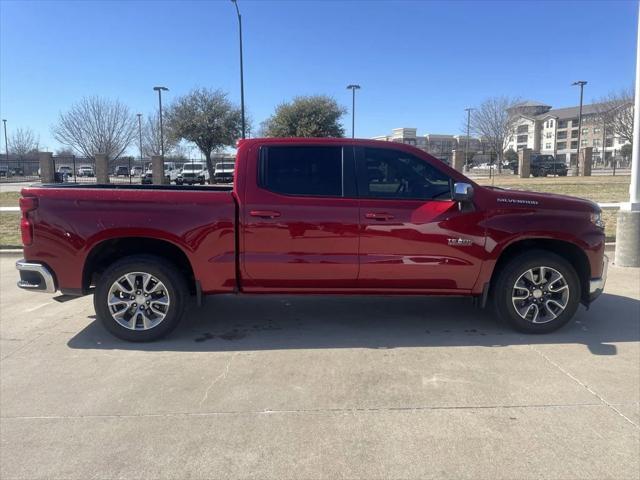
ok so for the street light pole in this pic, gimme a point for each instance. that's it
(353, 87)
(140, 133)
(160, 90)
(466, 153)
(241, 70)
(581, 83)
(6, 144)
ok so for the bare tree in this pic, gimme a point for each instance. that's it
(492, 122)
(23, 141)
(151, 138)
(207, 118)
(97, 125)
(616, 111)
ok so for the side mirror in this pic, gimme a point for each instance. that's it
(462, 192)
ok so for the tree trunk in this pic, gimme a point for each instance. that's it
(207, 156)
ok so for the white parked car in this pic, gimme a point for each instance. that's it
(86, 171)
(224, 172)
(136, 171)
(195, 172)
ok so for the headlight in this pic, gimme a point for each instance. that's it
(596, 219)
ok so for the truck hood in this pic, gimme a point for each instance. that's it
(551, 201)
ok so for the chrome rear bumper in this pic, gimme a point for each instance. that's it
(35, 277)
(596, 285)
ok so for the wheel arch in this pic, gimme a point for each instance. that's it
(108, 251)
(567, 250)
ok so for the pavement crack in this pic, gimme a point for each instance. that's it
(222, 376)
(312, 411)
(585, 386)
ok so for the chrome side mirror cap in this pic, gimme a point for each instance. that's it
(462, 192)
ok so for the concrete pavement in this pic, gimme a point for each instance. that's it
(320, 387)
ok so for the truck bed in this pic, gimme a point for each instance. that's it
(75, 223)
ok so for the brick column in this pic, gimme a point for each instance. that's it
(586, 160)
(47, 167)
(457, 161)
(102, 168)
(524, 162)
(157, 167)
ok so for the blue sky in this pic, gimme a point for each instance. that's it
(420, 63)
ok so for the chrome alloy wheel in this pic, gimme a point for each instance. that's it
(540, 294)
(138, 301)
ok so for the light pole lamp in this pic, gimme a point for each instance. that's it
(353, 87)
(466, 153)
(241, 69)
(6, 143)
(140, 133)
(580, 83)
(160, 90)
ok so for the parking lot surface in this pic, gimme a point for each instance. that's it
(320, 387)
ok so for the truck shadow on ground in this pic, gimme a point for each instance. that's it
(244, 323)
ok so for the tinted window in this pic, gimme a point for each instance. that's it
(303, 170)
(399, 175)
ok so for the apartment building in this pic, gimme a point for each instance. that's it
(438, 145)
(555, 131)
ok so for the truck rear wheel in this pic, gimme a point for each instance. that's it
(537, 292)
(140, 298)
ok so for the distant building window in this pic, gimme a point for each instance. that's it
(549, 135)
(574, 123)
(547, 146)
(562, 145)
(562, 135)
(621, 141)
(574, 145)
(562, 124)
(523, 128)
(583, 143)
(574, 134)
(596, 129)
(523, 138)
(609, 142)
(551, 123)
(585, 131)
(597, 142)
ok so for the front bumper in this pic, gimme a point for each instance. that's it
(35, 277)
(596, 285)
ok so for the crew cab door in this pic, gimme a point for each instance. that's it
(412, 235)
(299, 219)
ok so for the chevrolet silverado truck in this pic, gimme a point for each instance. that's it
(313, 216)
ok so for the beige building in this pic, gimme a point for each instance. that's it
(555, 131)
(438, 145)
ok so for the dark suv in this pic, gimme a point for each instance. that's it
(543, 165)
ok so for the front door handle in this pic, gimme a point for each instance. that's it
(378, 216)
(264, 213)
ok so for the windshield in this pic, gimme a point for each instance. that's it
(225, 166)
(193, 166)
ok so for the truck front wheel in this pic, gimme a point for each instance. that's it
(140, 298)
(537, 292)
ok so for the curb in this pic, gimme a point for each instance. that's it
(11, 252)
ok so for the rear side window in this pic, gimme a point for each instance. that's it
(309, 170)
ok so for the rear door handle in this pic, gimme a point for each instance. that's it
(378, 216)
(264, 213)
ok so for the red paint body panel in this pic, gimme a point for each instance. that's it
(300, 244)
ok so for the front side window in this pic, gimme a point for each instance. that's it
(315, 171)
(392, 174)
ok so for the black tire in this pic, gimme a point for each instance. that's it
(504, 284)
(160, 269)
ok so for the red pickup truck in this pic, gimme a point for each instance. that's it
(312, 216)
